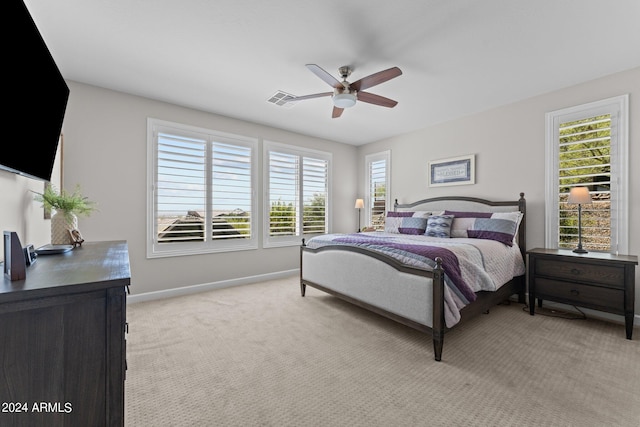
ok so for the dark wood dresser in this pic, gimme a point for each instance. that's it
(62, 339)
(596, 280)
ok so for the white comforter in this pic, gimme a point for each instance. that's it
(485, 265)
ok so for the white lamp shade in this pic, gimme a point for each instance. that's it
(359, 203)
(579, 195)
(344, 100)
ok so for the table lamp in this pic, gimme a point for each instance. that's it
(579, 196)
(359, 205)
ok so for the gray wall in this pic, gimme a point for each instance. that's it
(105, 150)
(509, 144)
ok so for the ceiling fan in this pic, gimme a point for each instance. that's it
(345, 94)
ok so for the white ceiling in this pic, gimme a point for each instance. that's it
(228, 57)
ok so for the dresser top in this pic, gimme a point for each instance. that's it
(602, 256)
(94, 265)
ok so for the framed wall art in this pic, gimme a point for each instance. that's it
(452, 171)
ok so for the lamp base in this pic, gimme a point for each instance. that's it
(580, 251)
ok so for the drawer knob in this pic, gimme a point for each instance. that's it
(575, 271)
(575, 292)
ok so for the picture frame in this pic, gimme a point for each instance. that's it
(452, 171)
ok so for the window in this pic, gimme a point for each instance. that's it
(202, 191)
(588, 146)
(377, 188)
(297, 194)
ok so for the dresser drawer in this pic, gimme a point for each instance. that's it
(596, 297)
(593, 273)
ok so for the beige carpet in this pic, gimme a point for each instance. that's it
(261, 355)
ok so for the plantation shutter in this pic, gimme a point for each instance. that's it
(202, 190)
(314, 185)
(588, 146)
(283, 193)
(585, 161)
(231, 191)
(377, 193)
(298, 193)
(180, 188)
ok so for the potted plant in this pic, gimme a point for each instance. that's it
(67, 207)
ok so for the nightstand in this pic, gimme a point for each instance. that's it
(596, 280)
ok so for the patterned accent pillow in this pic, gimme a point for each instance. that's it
(393, 221)
(439, 226)
(516, 218)
(499, 226)
(405, 222)
(413, 225)
(501, 230)
(463, 221)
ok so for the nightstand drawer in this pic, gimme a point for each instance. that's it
(596, 297)
(601, 274)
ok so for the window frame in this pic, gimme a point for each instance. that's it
(369, 160)
(269, 241)
(156, 250)
(618, 108)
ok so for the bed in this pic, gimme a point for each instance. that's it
(468, 257)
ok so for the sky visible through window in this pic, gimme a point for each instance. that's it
(182, 177)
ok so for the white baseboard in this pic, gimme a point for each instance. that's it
(186, 290)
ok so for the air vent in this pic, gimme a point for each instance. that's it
(280, 98)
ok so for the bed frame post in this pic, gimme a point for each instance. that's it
(522, 236)
(303, 287)
(522, 243)
(438, 327)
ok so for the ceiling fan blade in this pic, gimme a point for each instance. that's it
(376, 99)
(337, 112)
(376, 79)
(318, 71)
(315, 95)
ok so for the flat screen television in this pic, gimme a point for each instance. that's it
(35, 95)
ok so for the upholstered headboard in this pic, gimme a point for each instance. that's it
(471, 204)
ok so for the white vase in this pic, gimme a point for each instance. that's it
(61, 223)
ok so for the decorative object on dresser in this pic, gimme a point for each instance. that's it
(428, 283)
(62, 331)
(597, 280)
(14, 260)
(359, 205)
(67, 206)
(579, 196)
(76, 237)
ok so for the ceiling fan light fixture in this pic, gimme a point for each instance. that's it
(345, 94)
(344, 100)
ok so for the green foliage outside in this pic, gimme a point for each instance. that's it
(313, 215)
(282, 217)
(584, 160)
